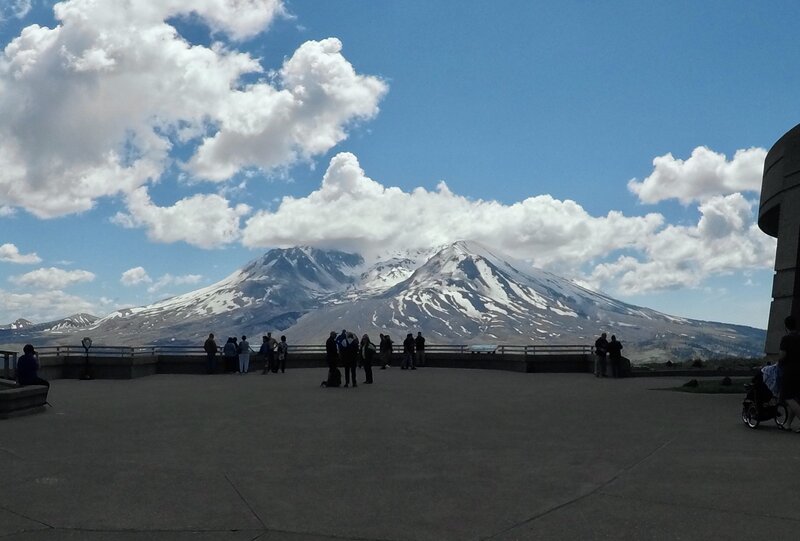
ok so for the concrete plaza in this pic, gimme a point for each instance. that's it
(433, 454)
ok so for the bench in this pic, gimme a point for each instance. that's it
(16, 400)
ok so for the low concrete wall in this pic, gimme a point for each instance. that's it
(477, 361)
(15, 400)
(560, 363)
(72, 367)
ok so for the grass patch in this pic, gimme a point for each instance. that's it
(715, 386)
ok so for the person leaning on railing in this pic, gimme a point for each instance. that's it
(28, 368)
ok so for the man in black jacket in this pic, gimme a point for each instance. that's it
(210, 348)
(600, 350)
(408, 352)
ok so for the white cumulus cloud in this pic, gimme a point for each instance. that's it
(354, 212)
(135, 276)
(267, 127)
(627, 254)
(704, 175)
(120, 75)
(10, 253)
(726, 239)
(205, 221)
(52, 278)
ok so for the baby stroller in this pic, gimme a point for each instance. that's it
(761, 404)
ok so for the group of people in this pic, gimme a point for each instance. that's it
(613, 351)
(236, 354)
(347, 351)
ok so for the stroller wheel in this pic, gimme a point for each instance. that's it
(750, 416)
(781, 414)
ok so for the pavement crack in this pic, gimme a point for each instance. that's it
(26, 517)
(576, 499)
(250, 507)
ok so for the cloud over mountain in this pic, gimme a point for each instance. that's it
(626, 254)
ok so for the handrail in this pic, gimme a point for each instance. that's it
(167, 349)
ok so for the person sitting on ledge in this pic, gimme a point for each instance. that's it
(28, 367)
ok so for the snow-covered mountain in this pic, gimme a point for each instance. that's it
(67, 324)
(21, 323)
(460, 293)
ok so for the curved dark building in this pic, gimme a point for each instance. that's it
(779, 216)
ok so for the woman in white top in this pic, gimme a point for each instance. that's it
(244, 355)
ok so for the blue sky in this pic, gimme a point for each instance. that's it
(189, 156)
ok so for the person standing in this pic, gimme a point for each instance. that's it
(367, 353)
(230, 353)
(789, 363)
(614, 349)
(332, 358)
(331, 350)
(282, 352)
(268, 347)
(244, 355)
(386, 351)
(419, 342)
(348, 352)
(408, 352)
(28, 368)
(210, 348)
(600, 350)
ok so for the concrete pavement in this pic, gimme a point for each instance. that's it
(433, 454)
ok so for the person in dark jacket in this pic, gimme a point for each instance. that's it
(348, 352)
(331, 351)
(408, 352)
(28, 368)
(385, 351)
(614, 349)
(231, 354)
(600, 350)
(419, 342)
(789, 363)
(367, 351)
(210, 347)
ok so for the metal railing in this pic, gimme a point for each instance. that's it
(152, 351)
(9, 363)
(504, 349)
